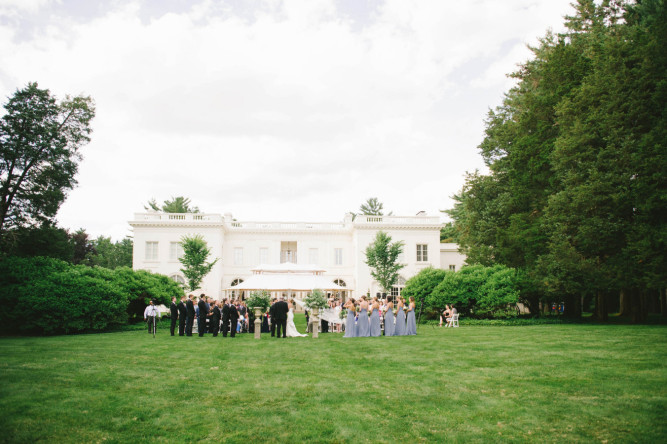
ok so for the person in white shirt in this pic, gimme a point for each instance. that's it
(150, 314)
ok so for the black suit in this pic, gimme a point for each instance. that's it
(182, 315)
(273, 321)
(215, 320)
(280, 310)
(203, 312)
(190, 307)
(174, 317)
(225, 320)
(233, 319)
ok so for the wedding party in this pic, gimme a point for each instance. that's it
(354, 318)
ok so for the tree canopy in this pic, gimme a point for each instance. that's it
(576, 198)
(178, 204)
(195, 254)
(382, 258)
(40, 139)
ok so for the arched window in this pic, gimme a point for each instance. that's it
(236, 282)
(398, 287)
(178, 278)
(342, 294)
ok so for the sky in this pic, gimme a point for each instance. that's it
(292, 110)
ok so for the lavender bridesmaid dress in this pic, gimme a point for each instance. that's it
(376, 330)
(400, 323)
(410, 324)
(363, 328)
(350, 325)
(389, 323)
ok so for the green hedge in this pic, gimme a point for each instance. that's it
(47, 296)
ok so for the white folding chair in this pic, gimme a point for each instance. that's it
(453, 321)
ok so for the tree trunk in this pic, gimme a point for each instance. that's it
(626, 303)
(639, 308)
(663, 301)
(601, 308)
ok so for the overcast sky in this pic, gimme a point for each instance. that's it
(272, 110)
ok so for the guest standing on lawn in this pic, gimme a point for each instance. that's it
(203, 313)
(190, 306)
(150, 315)
(389, 320)
(363, 327)
(400, 319)
(173, 314)
(350, 323)
(182, 316)
(376, 329)
(411, 324)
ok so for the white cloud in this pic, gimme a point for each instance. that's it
(288, 111)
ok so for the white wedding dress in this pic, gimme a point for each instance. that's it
(292, 332)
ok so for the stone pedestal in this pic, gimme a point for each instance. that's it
(258, 322)
(315, 323)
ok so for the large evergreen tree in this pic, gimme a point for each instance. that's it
(39, 154)
(575, 199)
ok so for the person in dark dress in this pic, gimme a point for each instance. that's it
(272, 317)
(225, 317)
(280, 310)
(182, 315)
(190, 308)
(173, 313)
(233, 319)
(265, 324)
(201, 320)
(215, 318)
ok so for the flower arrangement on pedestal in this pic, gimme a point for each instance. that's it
(316, 299)
(259, 299)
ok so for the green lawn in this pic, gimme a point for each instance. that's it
(548, 383)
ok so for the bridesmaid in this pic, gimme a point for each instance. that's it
(376, 330)
(400, 319)
(350, 324)
(411, 324)
(363, 328)
(389, 320)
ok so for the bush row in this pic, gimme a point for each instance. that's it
(476, 291)
(41, 295)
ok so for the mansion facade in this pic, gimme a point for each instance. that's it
(339, 248)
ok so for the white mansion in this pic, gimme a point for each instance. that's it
(337, 248)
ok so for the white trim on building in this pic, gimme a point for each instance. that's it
(338, 248)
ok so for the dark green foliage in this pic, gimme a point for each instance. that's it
(576, 200)
(39, 153)
(47, 296)
(46, 240)
(477, 290)
(112, 255)
(382, 259)
(195, 253)
(422, 284)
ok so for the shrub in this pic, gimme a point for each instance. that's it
(423, 283)
(48, 296)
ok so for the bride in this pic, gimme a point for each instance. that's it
(292, 332)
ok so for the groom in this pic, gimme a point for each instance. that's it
(280, 315)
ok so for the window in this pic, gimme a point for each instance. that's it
(452, 268)
(313, 254)
(263, 255)
(178, 278)
(175, 251)
(238, 256)
(151, 251)
(422, 253)
(397, 289)
(338, 256)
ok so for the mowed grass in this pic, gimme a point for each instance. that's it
(549, 383)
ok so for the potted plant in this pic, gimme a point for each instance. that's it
(260, 302)
(315, 301)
